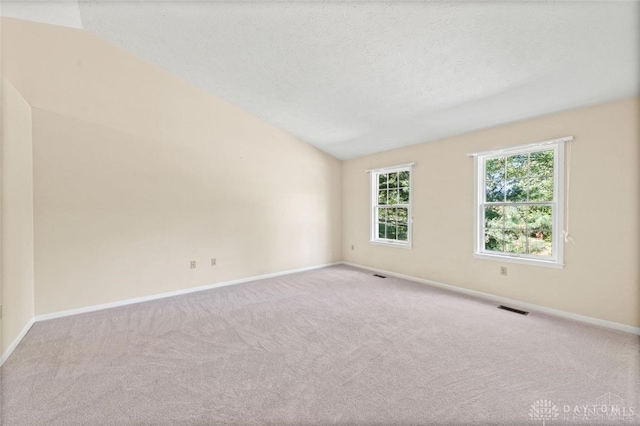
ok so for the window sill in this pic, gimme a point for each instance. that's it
(390, 244)
(522, 260)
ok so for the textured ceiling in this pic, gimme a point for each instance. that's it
(57, 12)
(354, 78)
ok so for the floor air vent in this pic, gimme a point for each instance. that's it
(379, 276)
(517, 311)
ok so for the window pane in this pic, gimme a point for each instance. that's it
(402, 233)
(493, 239)
(404, 179)
(494, 191)
(540, 243)
(541, 163)
(515, 217)
(540, 218)
(401, 216)
(404, 195)
(382, 181)
(391, 232)
(515, 242)
(393, 196)
(517, 166)
(495, 168)
(393, 180)
(541, 188)
(391, 216)
(381, 230)
(382, 197)
(393, 189)
(516, 190)
(493, 217)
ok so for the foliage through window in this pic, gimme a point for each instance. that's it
(520, 203)
(391, 205)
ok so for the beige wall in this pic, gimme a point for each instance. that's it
(120, 216)
(601, 278)
(136, 173)
(17, 215)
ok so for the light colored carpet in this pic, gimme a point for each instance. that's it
(330, 346)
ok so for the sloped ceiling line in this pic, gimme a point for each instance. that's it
(358, 78)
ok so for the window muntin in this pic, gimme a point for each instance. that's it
(520, 203)
(391, 206)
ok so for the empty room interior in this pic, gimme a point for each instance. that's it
(320, 212)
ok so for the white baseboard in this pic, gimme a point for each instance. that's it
(16, 341)
(100, 307)
(486, 296)
(503, 300)
(125, 302)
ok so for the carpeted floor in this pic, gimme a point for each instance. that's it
(330, 346)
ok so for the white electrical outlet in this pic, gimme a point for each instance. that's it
(213, 262)
(503, 270)
(192, 264)
(353, 247)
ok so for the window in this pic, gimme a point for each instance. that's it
(519, 203)
(391, 206)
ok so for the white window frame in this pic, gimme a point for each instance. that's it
(374, 206)
(556, 261)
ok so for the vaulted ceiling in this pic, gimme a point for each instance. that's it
(354, 78)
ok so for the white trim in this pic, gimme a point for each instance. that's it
(479, 164)
(100, 307)
(559, 170)
(125, 302)
(385, 169)
(502, 257)
(373, 189)
(481, 295)
(390, 244)
(476, 205)
(520, 147)
(528, 306)
(16, 341)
